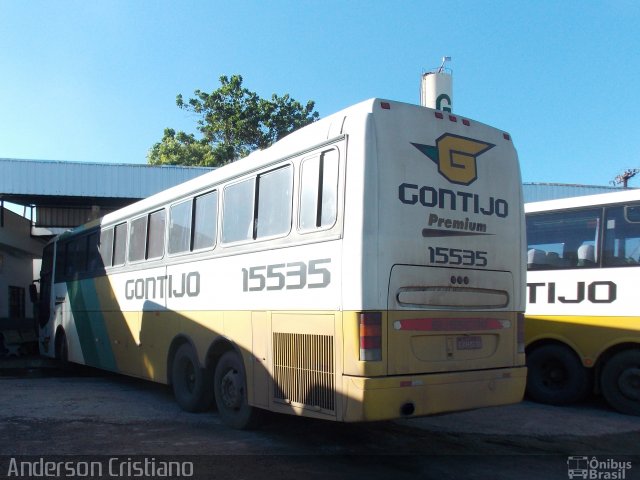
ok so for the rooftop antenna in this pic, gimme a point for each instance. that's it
(442, 67)
(436, 87)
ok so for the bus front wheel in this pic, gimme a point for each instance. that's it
(191, 384)
(620, 382)
(556, 376)
(230, 390)
(62, 350)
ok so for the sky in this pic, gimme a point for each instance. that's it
(96, 80)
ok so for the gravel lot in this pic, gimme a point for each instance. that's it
(46, 413)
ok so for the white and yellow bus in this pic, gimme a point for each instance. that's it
(582, 322)
(368, 266)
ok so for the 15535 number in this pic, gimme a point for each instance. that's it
(457, 256)
(289, 276)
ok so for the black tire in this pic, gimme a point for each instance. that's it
(62, 350)
(191, 385)
(556, 376)
(230, 389)
(620, 382)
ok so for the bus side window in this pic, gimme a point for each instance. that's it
(622, 237)
(319, 191)
(106, 247)
(137, 239)
(237, 211)
(94, 261)
(119, 244)
(155, 243)
(61, 257)
(205, 221)
(180, 227)
(274, 202)
(559, 240)
(76, 256)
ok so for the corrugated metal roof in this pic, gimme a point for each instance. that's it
(112, 180)
(536, 192)
(83, 179)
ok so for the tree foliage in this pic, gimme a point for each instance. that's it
(233, 121)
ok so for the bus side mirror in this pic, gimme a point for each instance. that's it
(33, 293)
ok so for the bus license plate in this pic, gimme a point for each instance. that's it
(469, 342)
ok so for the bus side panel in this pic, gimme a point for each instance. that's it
(305, 357)
(587, 309)
(360, 196)
(73, 324)
(586, 291)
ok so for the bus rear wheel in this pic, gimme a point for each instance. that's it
(191, 384)
(230, 390)
(556, 376)
(620, 382)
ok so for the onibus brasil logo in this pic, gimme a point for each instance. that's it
(455, 157)
(596, 469)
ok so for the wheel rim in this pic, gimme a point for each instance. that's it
(629, 383)
(189, 376)
(554, 375)
(231, 389)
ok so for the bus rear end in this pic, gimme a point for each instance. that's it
(441, 326)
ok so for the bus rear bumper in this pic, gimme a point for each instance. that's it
(371, 399)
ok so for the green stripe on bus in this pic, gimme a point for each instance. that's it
(89, 321)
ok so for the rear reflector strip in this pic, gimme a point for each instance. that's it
(370, 330)
(411, 383)
(450, 324)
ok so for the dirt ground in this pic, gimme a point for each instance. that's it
(73, 417)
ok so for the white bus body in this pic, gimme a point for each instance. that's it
(582, 328)
(365, 267)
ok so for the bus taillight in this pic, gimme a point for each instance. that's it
(370, 324)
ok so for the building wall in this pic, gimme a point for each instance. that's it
(20, 256)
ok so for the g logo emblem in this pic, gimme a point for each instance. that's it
(455, 157)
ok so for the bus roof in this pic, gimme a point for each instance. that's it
(583, 201)
(297, 142)
(294, 143)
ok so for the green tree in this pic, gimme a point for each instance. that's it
(233, 122)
